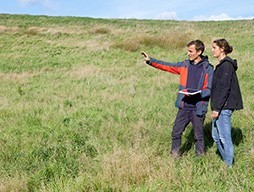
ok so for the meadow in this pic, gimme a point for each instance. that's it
(81, 111)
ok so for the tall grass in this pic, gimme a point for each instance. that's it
(80, 111)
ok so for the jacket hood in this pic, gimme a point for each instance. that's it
(232, 61)
(203, 59)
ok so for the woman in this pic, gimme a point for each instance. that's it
(225, 98)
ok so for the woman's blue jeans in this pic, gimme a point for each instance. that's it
(221, 133)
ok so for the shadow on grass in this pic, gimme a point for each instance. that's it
(237, 137)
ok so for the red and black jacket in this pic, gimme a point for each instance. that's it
(181, 68)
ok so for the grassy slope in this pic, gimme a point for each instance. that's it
(81, 111)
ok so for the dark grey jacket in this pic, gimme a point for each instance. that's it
(225, 93)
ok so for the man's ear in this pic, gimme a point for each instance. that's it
(199, 52)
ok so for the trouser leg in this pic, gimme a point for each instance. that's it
(197, 123)
(181, 121)
(224, 143)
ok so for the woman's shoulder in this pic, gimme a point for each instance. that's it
(229, 63)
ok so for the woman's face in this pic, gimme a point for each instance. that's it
(216, 50)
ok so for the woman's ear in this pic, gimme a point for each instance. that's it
(222, 50)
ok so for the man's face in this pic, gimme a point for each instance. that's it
(192, 53)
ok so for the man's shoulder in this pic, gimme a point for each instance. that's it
(206, 61)
(208, 64)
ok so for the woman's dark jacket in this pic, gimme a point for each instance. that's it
(225, 93)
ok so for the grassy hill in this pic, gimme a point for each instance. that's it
(80, 111)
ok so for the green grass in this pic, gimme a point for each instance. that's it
(80, 111)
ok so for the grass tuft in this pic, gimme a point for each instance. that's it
(34, 30)
(102, 30)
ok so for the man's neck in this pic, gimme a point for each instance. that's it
(197, 60)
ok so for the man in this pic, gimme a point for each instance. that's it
(195, 76)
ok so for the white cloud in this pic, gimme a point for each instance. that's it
(30, 1)
(26, 1)
(221, 17)
(167, 16)
(45, 3)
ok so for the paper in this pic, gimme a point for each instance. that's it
(190, 91)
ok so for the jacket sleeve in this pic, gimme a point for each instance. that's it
(166, 66)
(207, 85)
(223, 85)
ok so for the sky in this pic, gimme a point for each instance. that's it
(192, 10)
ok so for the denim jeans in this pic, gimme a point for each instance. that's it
(221, 133)
(183, 118)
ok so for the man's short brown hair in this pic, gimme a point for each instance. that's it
(199, 45)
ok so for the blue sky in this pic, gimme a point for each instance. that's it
(139, 9)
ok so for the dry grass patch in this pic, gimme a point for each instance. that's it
(4, 29)
(17, 77)
(95, 45)
(84, 71)
(131, 45)
(111, 30)
(4, 102)
(34, 30)
(54, 31)
(13, 184)
(102, 30)
(126, 167)
(171, 40)
(251, 154)
(66, 30)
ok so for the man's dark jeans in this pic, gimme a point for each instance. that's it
(183, 118)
